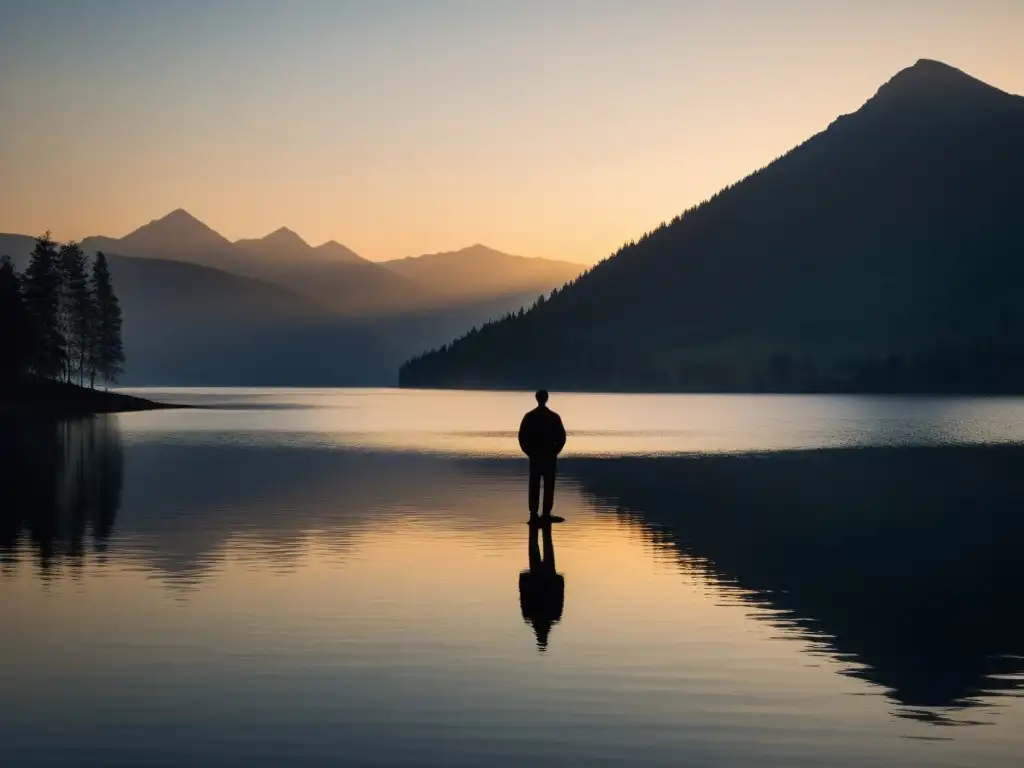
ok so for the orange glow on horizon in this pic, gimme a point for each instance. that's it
(559, 134)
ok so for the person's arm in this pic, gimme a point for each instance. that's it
(560, 436)
(524, 437)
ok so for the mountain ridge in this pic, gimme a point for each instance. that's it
(336, 275)
(178, 225)
(276, 322)
(476, 270)
(338, 252)
(190, 324)
(477, 249)
(847, 254)
(932, 78)
(280, 237)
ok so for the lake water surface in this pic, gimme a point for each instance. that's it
(346, 577)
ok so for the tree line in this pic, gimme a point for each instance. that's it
(61, 318)
(516, 352)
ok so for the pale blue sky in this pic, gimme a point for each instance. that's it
(557, 128)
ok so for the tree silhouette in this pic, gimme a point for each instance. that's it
(16, 336)
(107, 357)
(57, 321)
(42, 291)
(77, 311)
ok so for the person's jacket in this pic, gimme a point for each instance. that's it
(541, 434)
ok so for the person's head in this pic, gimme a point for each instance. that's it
(542, 396)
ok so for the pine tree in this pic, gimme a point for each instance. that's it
(16, 334)
(107, 351)
(42, 294)
(76, 315)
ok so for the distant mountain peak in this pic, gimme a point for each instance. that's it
(173, 230)
(180, 217)
(935, 67)
(929, 72)
(932, 81)
(283, 235)
(335, 251)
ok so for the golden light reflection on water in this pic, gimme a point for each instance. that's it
(485, 423)
(431, 577)
(261, 589)
(438, 600)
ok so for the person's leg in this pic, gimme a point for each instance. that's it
(549, 489)
(549, 551)
(534, 551)
(534, 491)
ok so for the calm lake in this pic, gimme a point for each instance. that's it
(346, 577)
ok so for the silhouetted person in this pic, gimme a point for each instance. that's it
(542, 437)
(541, 590)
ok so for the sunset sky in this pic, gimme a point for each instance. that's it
(556, 128)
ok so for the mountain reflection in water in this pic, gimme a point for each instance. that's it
(905, 562)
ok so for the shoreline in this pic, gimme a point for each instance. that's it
(743, 391)
(54, 399)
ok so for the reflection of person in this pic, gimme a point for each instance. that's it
(542, 437)
(541, 590)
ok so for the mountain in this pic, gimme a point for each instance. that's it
(467, 288)
(186, 324)
(282, 243)
(175, 236)
(334, 251)
(477, 282)
(332, 274)
(175, 232)
(884, 254)
(285, 245)
(478, 271)
(339, 278)
(200, 309)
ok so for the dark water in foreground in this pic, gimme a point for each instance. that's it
(346, 578)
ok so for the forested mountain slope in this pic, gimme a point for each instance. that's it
(885, 253)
